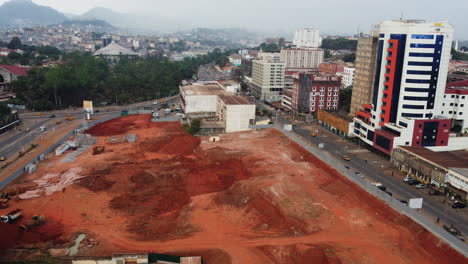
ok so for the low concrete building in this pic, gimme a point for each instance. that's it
(442, 169)
(219, 109)
(337, 122)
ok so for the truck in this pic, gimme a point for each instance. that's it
(12, 216)
(35, 220)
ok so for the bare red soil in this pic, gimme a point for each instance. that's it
(254, 197)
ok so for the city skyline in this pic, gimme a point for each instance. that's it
(338, 17)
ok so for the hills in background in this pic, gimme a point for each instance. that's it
(19, 13)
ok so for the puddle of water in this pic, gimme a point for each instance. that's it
(74, 249)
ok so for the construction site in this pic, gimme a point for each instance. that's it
(248, 197)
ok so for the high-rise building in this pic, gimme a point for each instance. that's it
(307, 38)
(409, 86)
(365, 71)
(297, 58)
(267, 79)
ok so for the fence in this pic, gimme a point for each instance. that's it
(20, 171)
(455, 243)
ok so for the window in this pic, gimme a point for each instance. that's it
(461, 113)
(462, 105)
(451, 104)
(314, 89)
(450, 112)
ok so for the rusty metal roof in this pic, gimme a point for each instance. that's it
(447, 159)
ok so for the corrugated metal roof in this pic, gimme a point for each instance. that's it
(447, 159)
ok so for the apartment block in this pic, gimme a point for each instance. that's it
(364, 71)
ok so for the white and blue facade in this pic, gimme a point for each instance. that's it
(409, 85)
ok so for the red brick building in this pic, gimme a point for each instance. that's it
(315, 92)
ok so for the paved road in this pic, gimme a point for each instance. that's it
(372, 172)
(11, 143)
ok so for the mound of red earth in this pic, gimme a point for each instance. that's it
(301, 253)
(119, 125)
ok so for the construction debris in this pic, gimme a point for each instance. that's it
(48, 183)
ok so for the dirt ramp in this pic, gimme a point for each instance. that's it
(120, 125)
(301, 254)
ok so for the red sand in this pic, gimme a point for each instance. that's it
(254, 197)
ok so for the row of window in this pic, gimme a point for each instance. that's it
(323, 89)
(457, 96)
(453, 112)
(328, 98)
(321, 104)
(454, 104)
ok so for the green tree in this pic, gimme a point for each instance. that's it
(327, 54)
(350, 57)
(15, 56)
(345, 98)
(459, 55)
(4, 110)
(15, 43)
(339, 44)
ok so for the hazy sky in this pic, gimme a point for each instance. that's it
(330, 16)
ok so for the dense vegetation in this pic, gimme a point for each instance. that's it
(345, 98)
(32, 55)
(350, 57)
(339, 44)
(273, 47)
(82, 76)
(4, 110)
(459, 55)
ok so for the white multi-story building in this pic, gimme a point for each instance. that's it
(348, 77)
(307, 38)
(269, 56)
(409, 86)
(298, 58)
(267, 80)
(455, 105)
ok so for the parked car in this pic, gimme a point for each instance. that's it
(458, 205)
(403, 202)
(408, 178)
(389, 193)
(421, 186)
(413, 182)
(434, 192)
(51, 116)
(97, 111)
(347, 167)
(3, 158)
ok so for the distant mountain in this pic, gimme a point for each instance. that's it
(26, 13)
(131, 21)
(96, 23)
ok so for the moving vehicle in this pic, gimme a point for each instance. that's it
(98, 150)
(36, 220)
(3, 158)
(434, 192)
(345, 157)
(69, 118)
(155, 114)
(421, 186)
(12, 216)
(313, 134)
(42, 129)
(458, 205)
(27, 129)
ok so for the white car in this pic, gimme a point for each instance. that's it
(155, 114)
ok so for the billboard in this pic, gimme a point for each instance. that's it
(415, 203)
(88, 106)
(288, 128)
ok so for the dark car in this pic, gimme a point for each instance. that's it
(403, 202)
(389, 193)
(97, 111)
(458, 205)
(434, 192)
(51, 116)
(413, 182)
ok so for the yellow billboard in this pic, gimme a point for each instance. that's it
(88, 106)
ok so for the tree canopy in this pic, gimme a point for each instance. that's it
(339, 44)
(459, 55)
(85, 77)
(15, 43)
